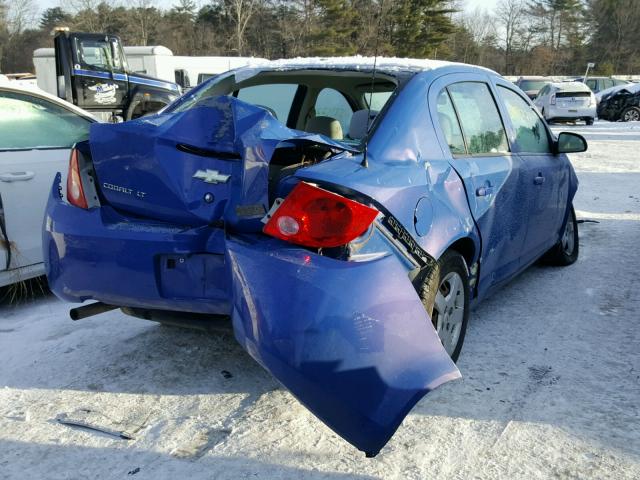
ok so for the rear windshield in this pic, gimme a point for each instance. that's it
(572, 94)
(327, 102)
(532, 84)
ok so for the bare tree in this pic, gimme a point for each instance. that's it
(86, 14)
(143, 13)
(240, 12)
(21, 15)
(510, 16)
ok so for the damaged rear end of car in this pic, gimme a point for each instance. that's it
(215, 210)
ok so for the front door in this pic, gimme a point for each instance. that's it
(99, 72)
(546, 176)
(35, 138)
(472, 132)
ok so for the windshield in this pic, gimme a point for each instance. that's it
(333, 103)
(528, 85)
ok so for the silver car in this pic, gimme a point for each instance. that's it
(566, 102)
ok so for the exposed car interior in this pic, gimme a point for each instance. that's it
(334, 103)
(338, 104)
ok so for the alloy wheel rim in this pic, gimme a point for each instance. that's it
(448, 311)
(568, 238)
(632, 116)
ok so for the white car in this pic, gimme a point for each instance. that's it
(566, 101)
(37, 131)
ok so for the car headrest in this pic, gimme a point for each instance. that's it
(360, 123)
(326, 126)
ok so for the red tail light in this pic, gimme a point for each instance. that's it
(314, 217)
(75, 192)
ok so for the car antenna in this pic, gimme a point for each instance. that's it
(365, 162)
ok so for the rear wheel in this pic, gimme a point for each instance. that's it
(589, 121)
(445, 296)
(631, 114)
(566, 251)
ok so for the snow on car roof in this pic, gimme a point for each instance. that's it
(358, 62)
(571, 87)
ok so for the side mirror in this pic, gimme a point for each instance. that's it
(569, 142)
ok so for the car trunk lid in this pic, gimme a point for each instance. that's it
(197, 167)
(573, 99)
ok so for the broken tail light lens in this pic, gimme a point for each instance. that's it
(75, 192)
(314, 217)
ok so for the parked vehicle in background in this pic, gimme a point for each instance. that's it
(620, 103)
(36, 132)
(23, 79)
(597, 84)
(566, 101)
(346, 227)
(531, 85)
(155, 60)
(90, 70)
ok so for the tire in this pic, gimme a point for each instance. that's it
(566, 251)
(589, 121)
(445, 295)
(630, 114)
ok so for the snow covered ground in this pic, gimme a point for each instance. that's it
(551, 385)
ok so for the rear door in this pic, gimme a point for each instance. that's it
(472, 133)
(35, 137)
(546, 176)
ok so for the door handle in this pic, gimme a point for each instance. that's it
(539, 180)
(16, 176)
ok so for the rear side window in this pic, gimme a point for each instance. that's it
(28, 122)
(332, 103)
(531, 134)
(479, 118)
(449, 124)
(377, 99)
(276, 97)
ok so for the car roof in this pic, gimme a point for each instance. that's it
(570, 87)
(389, 65)
(12, 86)
(534, 77)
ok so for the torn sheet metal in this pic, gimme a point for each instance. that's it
(197, 166)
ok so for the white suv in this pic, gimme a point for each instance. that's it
(567, 101)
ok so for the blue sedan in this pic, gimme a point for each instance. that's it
(345, 215)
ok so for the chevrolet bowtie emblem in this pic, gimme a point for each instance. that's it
(211, 176)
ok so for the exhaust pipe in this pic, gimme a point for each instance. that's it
(90, 310)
